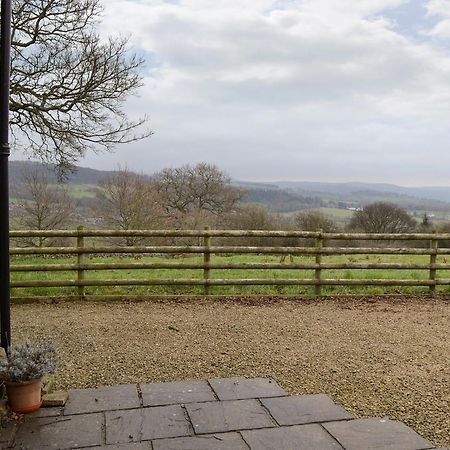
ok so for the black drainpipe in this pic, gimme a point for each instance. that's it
(5, 62)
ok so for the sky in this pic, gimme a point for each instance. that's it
(311, 90)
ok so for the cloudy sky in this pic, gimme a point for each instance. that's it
(320, 90)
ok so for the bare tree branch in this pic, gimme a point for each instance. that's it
(202, 192)
(67, 85)
(129, 201)
(381, 217)
(42, 206)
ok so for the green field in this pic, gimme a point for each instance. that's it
(230, 273)
(78, 191)
(339, 215)
(336, 212)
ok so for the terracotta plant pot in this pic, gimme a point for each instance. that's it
(24, 397)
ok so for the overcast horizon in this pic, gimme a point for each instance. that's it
(291, 90)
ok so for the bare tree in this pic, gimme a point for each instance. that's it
(444, 227)
(382, 217)
(249, 217)
(201, 190)
(129, 201)
(42, 206)
(426, 224)
(68, 85)
(315, 220)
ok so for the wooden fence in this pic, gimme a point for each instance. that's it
(316, 246)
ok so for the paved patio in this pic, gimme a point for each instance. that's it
(222, 414)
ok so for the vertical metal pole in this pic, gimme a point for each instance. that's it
(5, 61)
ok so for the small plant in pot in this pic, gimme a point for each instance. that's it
(22, 370)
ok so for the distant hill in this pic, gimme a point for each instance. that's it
(432, 193)
(81, 175)
(255, 185)
(282, 196)
(281, 200)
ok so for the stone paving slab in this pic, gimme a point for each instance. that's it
(136, 425)
(112, 418)
(61, 433)
(300, 437)
(376, 433)
(44, 412)
(102, 399)
(157, 394)
(217, 417)
(302, 409)
(239, 388)
(6, 433)
(223, 441)
(58, 398)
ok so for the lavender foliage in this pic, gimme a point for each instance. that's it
(29, 361)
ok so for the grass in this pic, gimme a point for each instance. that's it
(340, 215)
(233, 274)
(337, 213)
(79, 191)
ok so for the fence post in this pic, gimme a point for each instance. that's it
(207, 261)
(81, 257)
(318, 271)
(433, 258)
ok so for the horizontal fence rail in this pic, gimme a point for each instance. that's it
(317, 246)
(231, 233)
(177, 249)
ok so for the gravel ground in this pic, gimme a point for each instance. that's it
(376, 357)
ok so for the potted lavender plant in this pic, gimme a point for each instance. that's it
(22, 371)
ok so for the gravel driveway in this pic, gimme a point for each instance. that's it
(376, 357)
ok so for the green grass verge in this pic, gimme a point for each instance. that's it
(234, 273)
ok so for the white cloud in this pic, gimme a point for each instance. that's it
(439, 9)
(295, 89)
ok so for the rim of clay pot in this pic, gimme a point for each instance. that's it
(17, 383)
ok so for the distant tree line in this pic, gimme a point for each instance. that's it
(187, 197)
